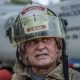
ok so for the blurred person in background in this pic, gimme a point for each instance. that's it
(39, 36)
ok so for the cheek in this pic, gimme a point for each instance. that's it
(53, 47)
(53, 51)
(53, 56)
(29, 51)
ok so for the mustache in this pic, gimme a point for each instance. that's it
(41, 52)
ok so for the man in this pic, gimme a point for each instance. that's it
(39, 35)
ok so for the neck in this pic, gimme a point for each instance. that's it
(42, 71)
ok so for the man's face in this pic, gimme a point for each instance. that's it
(41, 52)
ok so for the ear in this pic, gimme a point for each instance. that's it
(57, 49)
(59, 55)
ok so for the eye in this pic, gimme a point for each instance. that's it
(32, 42)
(45, 40)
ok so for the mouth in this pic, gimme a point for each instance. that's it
(41, 55)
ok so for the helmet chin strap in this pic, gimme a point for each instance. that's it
(18, 56)
(65, 61)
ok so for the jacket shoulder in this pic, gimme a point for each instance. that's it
(73, 74)
(18, 77)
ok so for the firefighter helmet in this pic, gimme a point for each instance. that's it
(35, 21)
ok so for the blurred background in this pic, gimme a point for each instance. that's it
(67, 9)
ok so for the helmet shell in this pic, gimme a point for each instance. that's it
(35, 21)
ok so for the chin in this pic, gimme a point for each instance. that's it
(43, 64)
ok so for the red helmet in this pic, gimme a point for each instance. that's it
(5, 74)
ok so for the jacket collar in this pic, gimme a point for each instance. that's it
(25, 71)
(57, 73)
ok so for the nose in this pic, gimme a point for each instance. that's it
(40, 46)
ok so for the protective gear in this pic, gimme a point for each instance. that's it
(36, 21)
(5, 74)
(56, 74)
